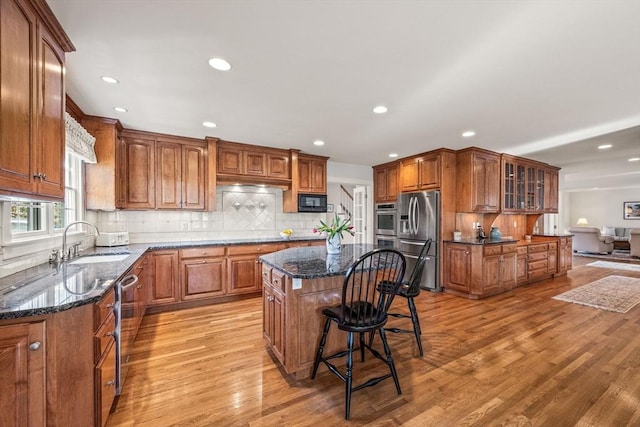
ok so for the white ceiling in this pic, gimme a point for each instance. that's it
(527, 76)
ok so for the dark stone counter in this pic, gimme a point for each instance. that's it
(481, 241)
(50, 288)
(313, 262)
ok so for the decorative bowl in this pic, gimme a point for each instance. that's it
(285, 236)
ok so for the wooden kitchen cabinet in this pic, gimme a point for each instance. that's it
(477, 271)
(32, 105)
(478, 181)
(528, 186)
(138, 171)
(22, 377)
(203, 272)
(180, 174)
(312, 174)
(565, 254)
(243, 265)
(164, 266)
(420, 173)
(385, 182)
(251, 163)
(274, 314)
(521, 265)
(105, 379)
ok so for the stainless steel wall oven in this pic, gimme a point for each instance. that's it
(386, 219)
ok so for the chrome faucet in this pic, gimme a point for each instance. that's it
(66, 255)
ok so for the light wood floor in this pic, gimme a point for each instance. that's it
(516, 359)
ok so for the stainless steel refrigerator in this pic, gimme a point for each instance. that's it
(418, 220)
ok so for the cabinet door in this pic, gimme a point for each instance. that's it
(22, 377)
(18, 97)
(255, 163)
(274, 320)
(168, 175)
(244, 274)
(193, 177)
(278, 166)
(457, 267)
(486, 183)
(409, 175)
(521, 266)
(105, 377)
(380, 185)
(492, 274)
(551, 191)
(552, 260)
(509, 270)
(50, 143)
(139, 173)
(165, 277)
(429, 175)
(508, 185)
(204, 277)
(230, 160)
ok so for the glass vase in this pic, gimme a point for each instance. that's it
(334, 244)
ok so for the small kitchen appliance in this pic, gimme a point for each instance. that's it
(118, 238)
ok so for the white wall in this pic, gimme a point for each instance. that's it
(600, 207)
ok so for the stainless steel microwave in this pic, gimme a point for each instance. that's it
(312, 202)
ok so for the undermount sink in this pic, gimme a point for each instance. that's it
(92, 259)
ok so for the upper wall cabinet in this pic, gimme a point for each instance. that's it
(420, 172)
(528, 186)
(478, 180)
(32, 100)
(249, 163)
(385, 182)
(312, 174)
(100, 178)
(180, 174)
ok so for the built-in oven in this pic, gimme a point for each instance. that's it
(386, 242)
(386, 219)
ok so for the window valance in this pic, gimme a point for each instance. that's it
(79, 140)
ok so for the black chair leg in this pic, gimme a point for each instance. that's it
(362, 346)
(323, 340)
(349, 378)
(416, 323)
(392, 366)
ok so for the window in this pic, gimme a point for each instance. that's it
(29, 219)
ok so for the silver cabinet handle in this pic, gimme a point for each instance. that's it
(110, 383)
(34, 345)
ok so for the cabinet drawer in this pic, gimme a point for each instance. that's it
(493, 250)
(104, 336)
(105, 376)
(266, 273)
(540, 247)
(256, 249)
(104, 307)
(538, 265)
(537, 256)
(536, 273)
(278, 280)
(205, 251)
(509, 249)
(522, 250)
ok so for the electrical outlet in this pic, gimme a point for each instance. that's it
(184, 226)
(515, 223)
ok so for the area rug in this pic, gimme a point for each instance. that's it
(612, 293)
(617, 255)
(615, 265)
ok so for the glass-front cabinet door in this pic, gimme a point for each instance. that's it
(540, 190)
(509, 187)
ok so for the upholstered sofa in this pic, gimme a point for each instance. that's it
(620, 236)
(589, 239)
(634, 242)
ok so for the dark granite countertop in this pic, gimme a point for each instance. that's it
(50, 288)
(481, 241)
(313, 262)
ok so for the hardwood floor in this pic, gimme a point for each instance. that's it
(516, 359)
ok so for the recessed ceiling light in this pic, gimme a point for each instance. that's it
(220, 64)
(120, 109)
(604, 146)
(318, 142)
(468, 133)
(209, 124)
(380, 109)
(111, 80)
(393, 155)
(634, 159)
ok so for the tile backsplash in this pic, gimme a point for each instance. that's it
(241, 212)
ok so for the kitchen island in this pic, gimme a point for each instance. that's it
(297, 284)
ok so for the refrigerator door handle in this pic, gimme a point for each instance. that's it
(416, 221)
(412, 243)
